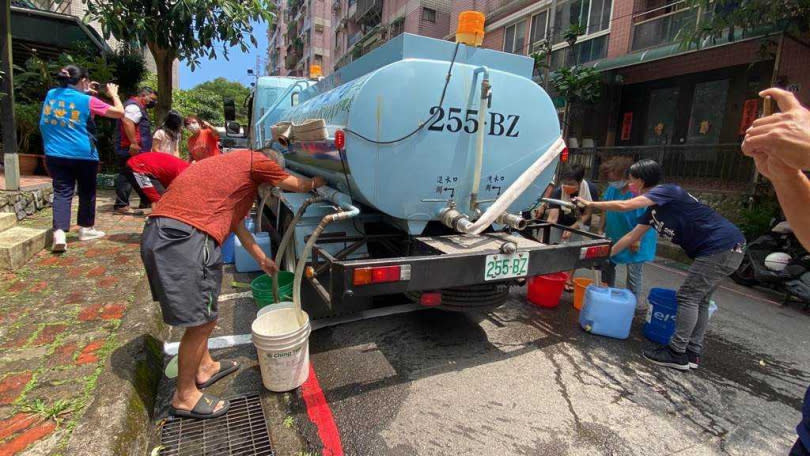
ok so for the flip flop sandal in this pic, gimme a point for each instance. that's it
(225, 368)
(203, 409)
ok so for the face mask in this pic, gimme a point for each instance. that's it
(618, 185)
(193, 127)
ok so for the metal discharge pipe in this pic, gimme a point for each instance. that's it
(479, 140)
(512, 220)
(461, 223)
(347, 211)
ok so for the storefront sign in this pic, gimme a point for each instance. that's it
(749, 114)
(627, 126)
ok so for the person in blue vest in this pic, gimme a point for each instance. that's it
(713, 242)
(67, 128)
(617, 224)
(134, 135)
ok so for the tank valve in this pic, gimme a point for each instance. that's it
(454, 219)
(512, 220)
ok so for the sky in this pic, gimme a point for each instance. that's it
(234, 69)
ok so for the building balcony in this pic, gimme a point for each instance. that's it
(368, 12)
(663, 25)
(354, 39)
(291, 61)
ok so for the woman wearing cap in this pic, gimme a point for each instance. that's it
(68, 136)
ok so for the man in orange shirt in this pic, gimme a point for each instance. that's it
(180, 249)
(204, 140)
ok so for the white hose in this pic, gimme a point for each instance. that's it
(514, 191)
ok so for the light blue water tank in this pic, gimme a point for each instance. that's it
(389, 93)
(608, 311)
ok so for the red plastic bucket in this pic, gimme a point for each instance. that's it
(546, 290)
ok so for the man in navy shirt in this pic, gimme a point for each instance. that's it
(713, 242)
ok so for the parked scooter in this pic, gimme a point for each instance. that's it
(777, 260)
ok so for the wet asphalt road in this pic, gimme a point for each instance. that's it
(528, 381)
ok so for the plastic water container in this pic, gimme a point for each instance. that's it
(546, 290)
(608, 311)
(227, 249)
(662, 313)
(281, 337)
(580, 284)
(245, 262)
(250, 224)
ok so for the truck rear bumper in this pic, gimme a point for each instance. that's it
(431, 269)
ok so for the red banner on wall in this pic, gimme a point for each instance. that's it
(749, 114)
(627, 126)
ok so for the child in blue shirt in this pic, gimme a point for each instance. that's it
(616, 225)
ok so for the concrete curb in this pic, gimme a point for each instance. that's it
(670, 251)
(118, 421)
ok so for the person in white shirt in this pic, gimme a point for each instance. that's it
(167, 137)
(134, 136)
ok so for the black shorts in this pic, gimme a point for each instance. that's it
(184, 267)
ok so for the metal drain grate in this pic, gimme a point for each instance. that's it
(240, 432)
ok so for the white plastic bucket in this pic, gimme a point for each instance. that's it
(269, 307)
(281, 337)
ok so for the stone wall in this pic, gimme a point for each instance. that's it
(728, 204)
(25, 203)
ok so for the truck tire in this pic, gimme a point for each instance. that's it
(471, 298)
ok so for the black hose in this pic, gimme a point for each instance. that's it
(421, 125)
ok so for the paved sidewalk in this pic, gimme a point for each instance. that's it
(59, 319)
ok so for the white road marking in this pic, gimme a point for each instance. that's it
(229, 296)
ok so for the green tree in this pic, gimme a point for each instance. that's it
(723, 16)
(228, 89)
(185, 29)
(578, 85)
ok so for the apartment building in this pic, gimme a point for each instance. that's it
(362, 25)
(656, 91)
(300, 37)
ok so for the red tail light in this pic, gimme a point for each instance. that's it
(340, 139)
(564, 155)
(599, 251)
(430, 299)
(381, 274)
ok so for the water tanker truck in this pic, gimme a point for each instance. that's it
(431, 150)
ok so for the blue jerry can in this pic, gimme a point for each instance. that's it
(608, 311)
(245, 262)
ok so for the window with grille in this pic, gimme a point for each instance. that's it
(428, 15)
(514, 39)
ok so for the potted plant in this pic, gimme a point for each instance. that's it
(27, 117)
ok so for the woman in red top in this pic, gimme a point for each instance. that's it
(204, 140)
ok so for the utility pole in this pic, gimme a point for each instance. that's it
(7, 125)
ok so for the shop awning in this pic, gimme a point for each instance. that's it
(673, 50)
(49, 33)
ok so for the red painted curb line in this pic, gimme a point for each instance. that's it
(321, 415)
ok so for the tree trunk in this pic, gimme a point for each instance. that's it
(164, 59)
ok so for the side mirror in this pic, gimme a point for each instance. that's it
(230, 109)
(234, 129)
